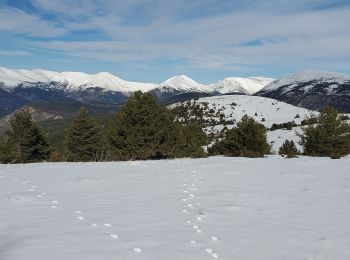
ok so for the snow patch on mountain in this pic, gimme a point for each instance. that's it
(248, 86)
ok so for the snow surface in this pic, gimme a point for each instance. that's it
(277, 137)
(306, 76)
(214, 208)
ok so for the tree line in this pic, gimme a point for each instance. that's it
(142, 130)
(145, 130)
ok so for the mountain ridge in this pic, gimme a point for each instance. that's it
(77, 81)
(312, 89)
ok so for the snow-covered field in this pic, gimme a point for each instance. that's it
(227, 208)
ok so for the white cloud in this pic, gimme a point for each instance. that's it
(15, 21)
(290, 30)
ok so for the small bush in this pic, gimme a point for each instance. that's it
(247, 139)
(329, 136)
(288, 149)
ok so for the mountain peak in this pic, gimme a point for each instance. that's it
(183, 83)
(248, 86)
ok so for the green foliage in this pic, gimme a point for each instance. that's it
(329, 136)
(6, 152)
(288, 125)
(25, 142)
(144, 129)
(189, 141)
(288, 149)
(83, 139)
(200, 113)
(309, 121)
(247, 139)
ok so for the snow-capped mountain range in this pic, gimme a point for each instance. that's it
(74, 81)
(78, 81)
(104, 92)
(311, 89)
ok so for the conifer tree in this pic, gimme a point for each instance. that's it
(25, 141)
(190, 140)
(247, 139)
(83, 139)
(328, 136)
(143, 129)
(288, 149)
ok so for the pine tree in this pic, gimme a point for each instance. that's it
(288, 149)
(25, 141)
(247, 139)
(328, 136)
(83, 139)
(143, 129)
(190, 140)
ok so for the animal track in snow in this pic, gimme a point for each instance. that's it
(215, 239)
(215, 255)
(209, 250)
(137, 250)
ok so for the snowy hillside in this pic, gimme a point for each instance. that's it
(225, 111)
(214, 208)
(247, 86)
(266, 111)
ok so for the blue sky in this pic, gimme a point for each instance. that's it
(153, 40)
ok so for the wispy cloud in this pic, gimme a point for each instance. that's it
(14, 53)
(206, 34)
